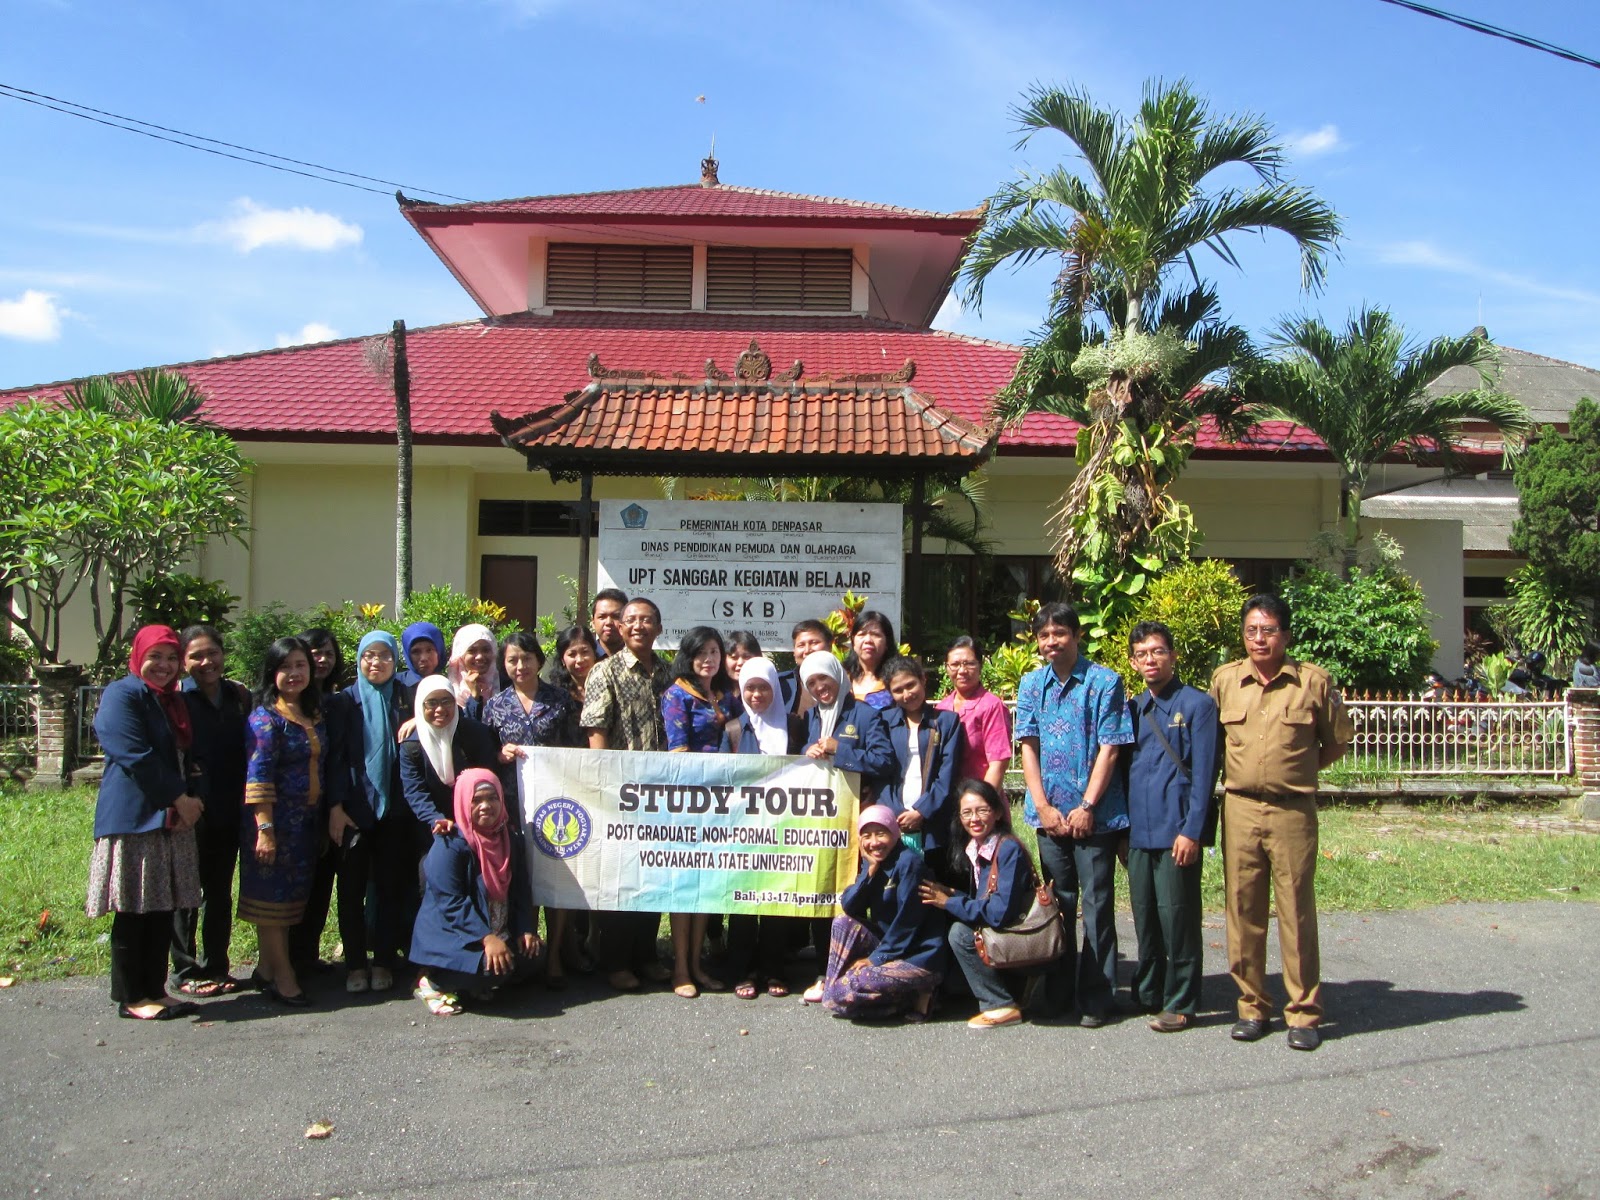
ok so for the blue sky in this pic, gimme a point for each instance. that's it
(1465, 167)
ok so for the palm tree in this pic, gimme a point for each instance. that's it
(1364, 392)
(157, 395)
(1117, 353)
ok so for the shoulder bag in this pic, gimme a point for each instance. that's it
(1036, 939)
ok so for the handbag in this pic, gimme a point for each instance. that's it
(1036, 939)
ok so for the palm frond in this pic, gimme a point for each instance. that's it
(1294, 211)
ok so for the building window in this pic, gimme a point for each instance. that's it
(529, 518)
(601, 275)
(962, 594)
(777, 279)
(1484, 587)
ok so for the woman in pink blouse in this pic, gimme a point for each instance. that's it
(984, 719)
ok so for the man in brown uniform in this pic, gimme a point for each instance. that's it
(1282, 721)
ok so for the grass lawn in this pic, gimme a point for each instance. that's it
(1371, 859)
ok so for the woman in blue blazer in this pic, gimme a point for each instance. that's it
(997, 886)
(475, 930)
(887, 949)
(920, 790)
(145, 865)
(442, 744)
(374, 832)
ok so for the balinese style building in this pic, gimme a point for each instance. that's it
(709, 329)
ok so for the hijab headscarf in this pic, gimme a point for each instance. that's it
(170, 699)
(492, 849)
(422, 631)
(377, 719)
(772, 737)
(436, 743)
(822, 662)
(467, 637)
(878, 814)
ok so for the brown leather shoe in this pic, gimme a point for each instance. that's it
(996, 1017)
(1170, 1022)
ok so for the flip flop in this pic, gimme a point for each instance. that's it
(777, 990)
(205, 989)
(442, 1004)
(746, 990)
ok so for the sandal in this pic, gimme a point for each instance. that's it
(746, 990)
(777, 990)
(424, 989)
(204, 989)
(687, 990)
(442, 1004)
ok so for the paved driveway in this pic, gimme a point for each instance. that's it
(1462, 1060)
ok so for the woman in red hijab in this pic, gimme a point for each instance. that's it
(144, 866)
(475, 929)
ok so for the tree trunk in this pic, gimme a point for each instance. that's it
(1350, 489)
(402, 437)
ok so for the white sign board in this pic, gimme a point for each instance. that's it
(744, 565)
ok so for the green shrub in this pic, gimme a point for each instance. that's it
(179, 600)
(1005, 666)
(252, 633)
(450, 610)
(1199, 601)
(1370, 631)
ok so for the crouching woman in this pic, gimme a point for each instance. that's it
(887, 946)
(999, 878)
(474, 931)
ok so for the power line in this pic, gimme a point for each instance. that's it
(149, 129)
(1477, 26)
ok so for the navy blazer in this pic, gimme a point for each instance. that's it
(474, 745)
(889, 905)
(349, 788)
(747, 736)
(143, 772)
(1162, 803)
(789, 688)
(939, 744)
(1013, 889)
(863, 743)
(454, 917)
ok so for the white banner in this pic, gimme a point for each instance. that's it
(745, 565)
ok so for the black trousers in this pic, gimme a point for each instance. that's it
(627, 940)
(380, 867)
(139, 943)
(200, 936)
(305, 939)
(758, 946)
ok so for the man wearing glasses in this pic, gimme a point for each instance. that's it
(1284, 721)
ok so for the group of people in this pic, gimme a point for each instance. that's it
(396, 791)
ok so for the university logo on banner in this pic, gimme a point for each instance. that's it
(714, 833)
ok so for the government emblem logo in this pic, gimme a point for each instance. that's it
(634, 516)
(561, 828)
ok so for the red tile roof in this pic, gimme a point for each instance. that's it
(462, 372)
(630, 422)
(691, 203)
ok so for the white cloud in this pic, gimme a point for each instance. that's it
(253, 226)
(32, 317)
(311, 331)
(1426, 254)
(1319, 141)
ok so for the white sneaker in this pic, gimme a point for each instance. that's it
(356, 982)
(382, 979)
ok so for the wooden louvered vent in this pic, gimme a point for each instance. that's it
(602, 275)
(774, 279)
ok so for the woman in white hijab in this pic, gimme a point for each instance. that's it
(441, 744)
(757, 945)
(850, 734)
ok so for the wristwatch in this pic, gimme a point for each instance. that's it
(264, 827)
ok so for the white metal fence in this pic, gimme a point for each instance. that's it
(1461, 737)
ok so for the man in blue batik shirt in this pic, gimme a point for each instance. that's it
(1072, 722)
(1171, 775)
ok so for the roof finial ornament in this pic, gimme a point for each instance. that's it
(708, 166)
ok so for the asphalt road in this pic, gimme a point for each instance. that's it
(1462, 1060)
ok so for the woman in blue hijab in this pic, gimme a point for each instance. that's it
(424, 646)
(377, 837)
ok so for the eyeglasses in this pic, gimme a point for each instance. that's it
(965, 665)
(973, 814)
(1150, 655)
(376, 656)
(1260, 633)
(438, 702)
